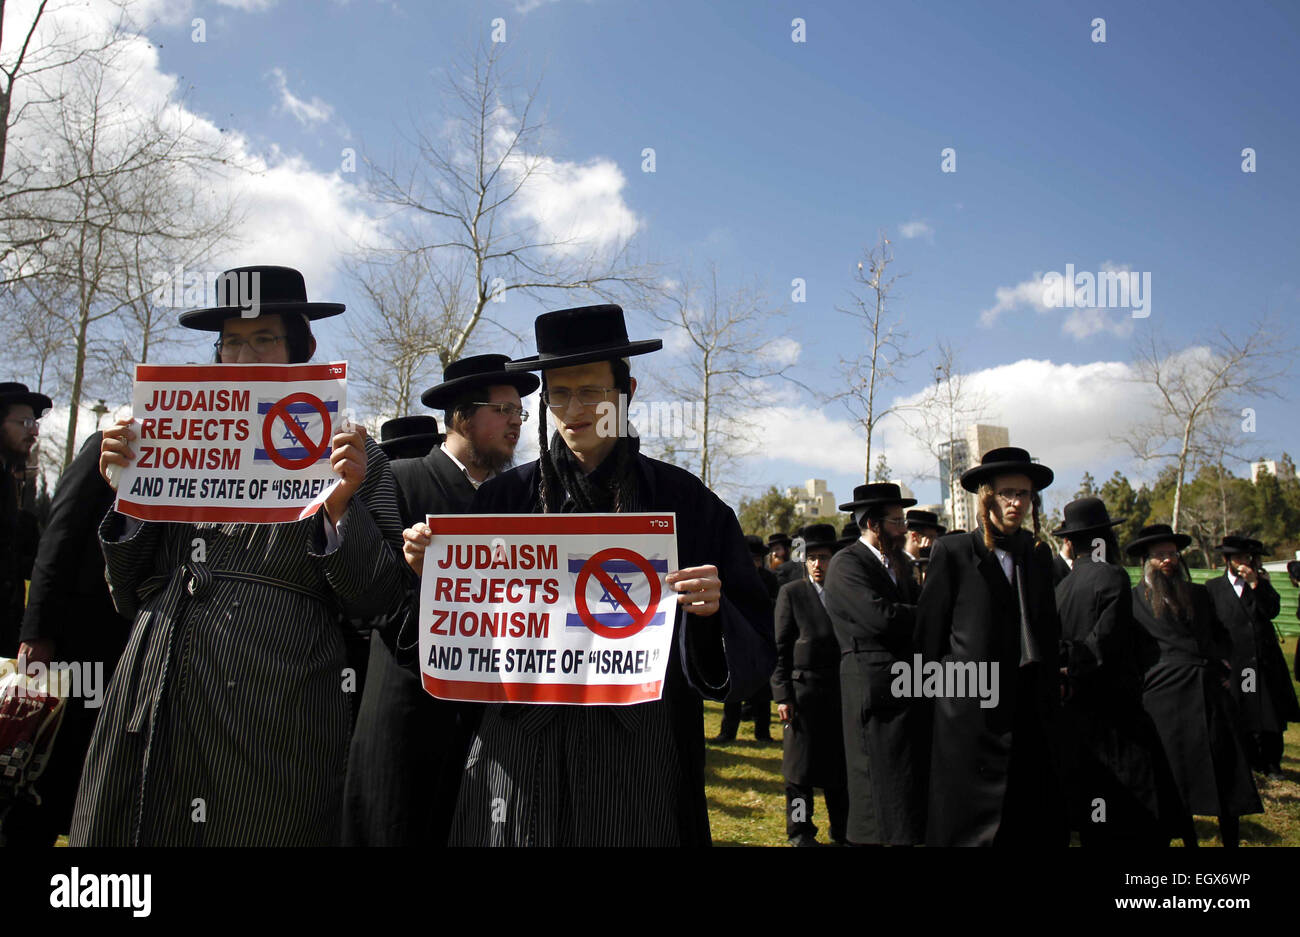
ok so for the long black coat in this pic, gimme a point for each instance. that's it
(69, 604)
(623, 775)
(884, 737)
(1271, 703)
(1111, 748)
(807, 676)
(1183, 691)
(407, 751)
(996, 769)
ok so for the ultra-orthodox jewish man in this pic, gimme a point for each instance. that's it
(226, 721)
(614, 775)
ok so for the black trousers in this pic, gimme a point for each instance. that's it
(799, 810)
(1266, 750)
(760, 703)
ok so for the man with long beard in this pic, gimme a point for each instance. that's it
(407, 751)
(1184, 649)
(988, 606)
(556, 775)
(1246, 602)
(871, 597)
(1116, 764)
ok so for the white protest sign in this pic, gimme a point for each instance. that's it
(244, 443)
(548, 608)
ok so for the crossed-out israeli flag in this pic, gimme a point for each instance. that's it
(286, 443)
(603, 604)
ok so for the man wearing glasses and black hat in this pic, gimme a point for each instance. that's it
(408, 748)
(923, 529)
(1246, 602)
(871, 597)
(1115, 764)
(19, 533)
(989, 602)
(613, 775)
(1184, 651)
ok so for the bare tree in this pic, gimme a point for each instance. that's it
(1198, 387)
(130, 193)
(731, 348)
(864, 377)
(455, 206)
(945, 409)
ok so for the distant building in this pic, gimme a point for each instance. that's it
(1263, 465)
(962, 511)
(813, 499)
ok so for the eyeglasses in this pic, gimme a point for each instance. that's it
(28, 422)
(896, 521)
(1018, 495)
(1162, 557)
(558, 398)
(261, 344)
(510, 410)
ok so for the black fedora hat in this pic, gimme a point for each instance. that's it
(774, 539)
(1257, 547)
(11, 392)
(756, 545)
(409, 435)
(581, 335)
(1008, 460)
(1156, 533)
(819, 535)
(270, 290)
(865, 496)
(917, 519)
(477, 371)
(850, 533)
(1233, 545)
(1084, 516)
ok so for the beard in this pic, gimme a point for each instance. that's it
(1170, 596)
(891, 545)
(488, 459)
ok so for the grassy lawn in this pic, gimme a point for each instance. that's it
(747, 794)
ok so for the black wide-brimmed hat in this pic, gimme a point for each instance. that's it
(756, 545)
(1257, 547)
(270, 291)
(865, 496)
(1084, 516)
(567, 337)
(1232, 545)
(1008, 460)
(917, 519)
(850, 534)
(1156, 533)
(774, 539)
(11, 392)
(477, 371)
(409, 433)
(819, 535)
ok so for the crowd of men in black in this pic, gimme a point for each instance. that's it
(939, 687)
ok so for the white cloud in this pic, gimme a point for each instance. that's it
(1077, 322)
(916, 229)
(248, 6)
(577, 206)
(307, 113)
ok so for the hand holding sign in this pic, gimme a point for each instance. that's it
(698, 588)
(349, 463)
(414, 541)
(115, 450)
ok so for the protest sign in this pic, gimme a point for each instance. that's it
(243, 443)
(548, 608)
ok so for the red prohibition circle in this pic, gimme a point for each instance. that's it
(281, 411)
(640, 617)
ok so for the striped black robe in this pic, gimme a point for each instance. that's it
(551, 775)
(227, 719)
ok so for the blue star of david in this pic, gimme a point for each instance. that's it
(625, 586)
(288, 433)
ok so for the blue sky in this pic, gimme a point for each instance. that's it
(780, 159)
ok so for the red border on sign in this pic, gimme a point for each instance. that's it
(227, 373)
(181, 514)
(488, 524)
(599, 694)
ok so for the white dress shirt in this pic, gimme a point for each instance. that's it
(461, 465)
(884, 560)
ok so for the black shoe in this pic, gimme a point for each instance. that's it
(722, 738)
(1275, 773)
(804, 839)
(765, 736)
